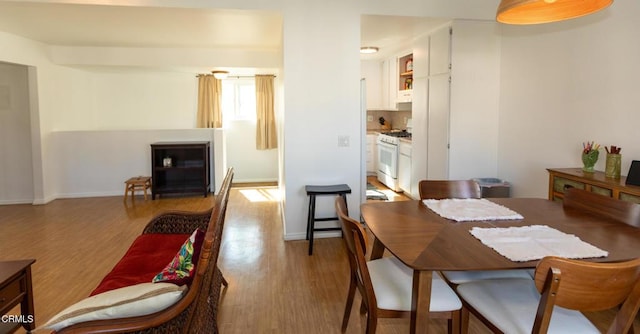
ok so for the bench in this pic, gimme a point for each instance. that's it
(191, 308)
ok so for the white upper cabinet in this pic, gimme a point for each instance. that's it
(440, 56)
(390, 83)
(405, 78)
(463, 100)
(371, 71)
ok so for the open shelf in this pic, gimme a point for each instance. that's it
(180, 167)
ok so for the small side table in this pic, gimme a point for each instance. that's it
(137, 183)
(15, 288)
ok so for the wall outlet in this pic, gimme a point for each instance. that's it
(369, 118)
(343, 141)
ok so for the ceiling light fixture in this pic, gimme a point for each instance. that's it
(220, 74)
(545, 11)
(368, 49)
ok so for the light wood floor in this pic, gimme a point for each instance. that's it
(274, 286)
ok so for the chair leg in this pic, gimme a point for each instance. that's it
(312, 215)
(464, 320)
(347, 309)
(454, 324)
(224, 281)
(372, 322)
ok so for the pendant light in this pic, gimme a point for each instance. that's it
(545, 11)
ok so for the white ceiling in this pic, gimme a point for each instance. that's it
(130, 26)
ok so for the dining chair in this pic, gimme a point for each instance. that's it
(441, 189)
(462, 189)
(552, 302)
(600, 205)
(385, 284)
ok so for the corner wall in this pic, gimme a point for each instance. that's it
(563, 84)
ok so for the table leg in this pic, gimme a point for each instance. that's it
(126, 191)
(420, 300)
(378, 249)
(26, 307)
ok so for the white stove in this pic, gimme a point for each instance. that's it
(388, 158)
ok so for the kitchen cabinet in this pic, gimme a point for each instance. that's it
(372, 154)
(440, 55)
(371, 71)
(463, 95)
(560, 178)
(382, 79)
(405, 78)
(419, 106)
(404, 166)
(438, 127)
(390, 83)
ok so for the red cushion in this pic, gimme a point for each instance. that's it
(147, 256)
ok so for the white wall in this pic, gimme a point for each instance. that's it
(566, 83)
(250, 164)
(46, 99)
(322, 89)
(16, 171)
(96, 163)
(132, 99)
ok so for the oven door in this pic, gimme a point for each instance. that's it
(388, 159)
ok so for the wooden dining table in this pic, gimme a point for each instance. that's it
(427, 242)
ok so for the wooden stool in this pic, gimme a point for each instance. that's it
(312, 192)
(137, 183)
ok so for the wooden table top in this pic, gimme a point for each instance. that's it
(425, 241)
(9, 269)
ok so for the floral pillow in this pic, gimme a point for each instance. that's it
(181, 269)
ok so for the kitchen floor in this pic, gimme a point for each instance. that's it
(391, 195)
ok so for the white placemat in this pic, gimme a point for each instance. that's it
(527, 243)
(470, 209)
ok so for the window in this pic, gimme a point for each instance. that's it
(238, 100)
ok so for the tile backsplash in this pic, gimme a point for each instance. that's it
(397, 119)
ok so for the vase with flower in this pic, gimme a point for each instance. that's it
(589, 156)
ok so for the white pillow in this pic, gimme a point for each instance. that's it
(130, 301)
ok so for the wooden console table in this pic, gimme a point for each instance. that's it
(15, 288)
(560, 178)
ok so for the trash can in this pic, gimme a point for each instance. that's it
(493, 187)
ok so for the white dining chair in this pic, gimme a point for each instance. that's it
(552, 302)
(386, 284)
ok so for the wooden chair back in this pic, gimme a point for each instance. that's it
(441, 189)
(603, 206)
(588, 286)
(355, 238)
